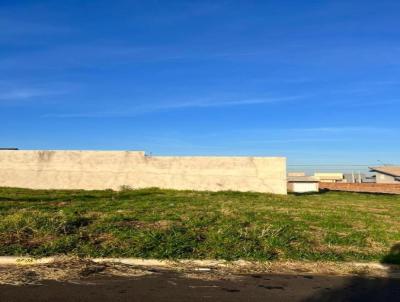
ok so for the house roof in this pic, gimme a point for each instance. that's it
(302, 179)
(391, 170)
(332, 176)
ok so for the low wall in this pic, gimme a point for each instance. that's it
(362, 187)
(113, 169)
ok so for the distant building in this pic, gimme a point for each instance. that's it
(369, 179)
(358, 178)
(302, 184)
(290, 174)
(352, 177)
(329, 177)
(386, 174)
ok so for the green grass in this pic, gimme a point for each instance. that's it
(154, 223)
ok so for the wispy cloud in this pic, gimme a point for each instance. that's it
(305, 135)
(181, 11)
(111, 53)
(203, 103)
(294, 140)
(14, 28)
(340, 129)
(17, 95)
(226, 103)
(20, 94)
(379, 102)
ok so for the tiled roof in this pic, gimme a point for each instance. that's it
(391, 170)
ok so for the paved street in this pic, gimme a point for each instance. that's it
(169, 286)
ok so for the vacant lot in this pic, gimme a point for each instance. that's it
(155, 223)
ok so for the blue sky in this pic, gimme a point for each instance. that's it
(316, 81)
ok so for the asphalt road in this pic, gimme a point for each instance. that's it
(169, 286)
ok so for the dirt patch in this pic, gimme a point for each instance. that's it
(161, 224)
(71, 270)
(59, 203)
(342, 249)
(225, 270)
(26, 238)
(211, 275)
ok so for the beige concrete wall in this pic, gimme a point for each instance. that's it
(385, 179)
(113, 169)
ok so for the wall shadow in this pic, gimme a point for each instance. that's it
(365, 288)
(394, 255)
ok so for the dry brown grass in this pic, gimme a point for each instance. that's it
(66, 269)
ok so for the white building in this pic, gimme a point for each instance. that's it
(302, 184)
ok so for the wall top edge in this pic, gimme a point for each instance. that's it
(141, 152)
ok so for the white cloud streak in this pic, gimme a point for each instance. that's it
(17, 27)
(20, 95)
(147, 109)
